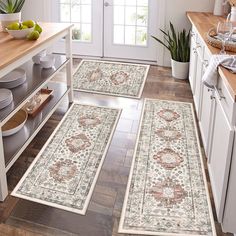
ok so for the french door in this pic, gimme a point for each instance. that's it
(113, 28)
(128, 26)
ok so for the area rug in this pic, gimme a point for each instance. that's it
(64, 173)
(111, 78)
(167, 191)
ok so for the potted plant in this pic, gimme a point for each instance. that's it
(10, 11)
(179, 46)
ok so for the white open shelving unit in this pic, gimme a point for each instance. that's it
(11, 147)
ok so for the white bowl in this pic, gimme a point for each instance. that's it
(48, 61)
(20, 34)
(37, 57)
(15, 124)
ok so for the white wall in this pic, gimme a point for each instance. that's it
(174, 11)
(36, 10)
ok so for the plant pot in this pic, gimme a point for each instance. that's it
(7, 19)
(179, 69)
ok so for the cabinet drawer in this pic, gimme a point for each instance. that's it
(227, 101)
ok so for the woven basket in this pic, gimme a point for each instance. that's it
(229, 45)
(232, 2)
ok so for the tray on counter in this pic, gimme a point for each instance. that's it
(45, 95)
(213, 39)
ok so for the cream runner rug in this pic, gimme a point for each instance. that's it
(111, 78)
(167, 190)
(65, 172)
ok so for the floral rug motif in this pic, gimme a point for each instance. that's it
(111, 78)
(167, 191)
(64, 173)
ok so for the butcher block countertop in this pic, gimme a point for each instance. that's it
(203, 22)
(12, 49)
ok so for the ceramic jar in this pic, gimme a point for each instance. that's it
(218, 8)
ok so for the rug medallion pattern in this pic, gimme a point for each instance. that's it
(65, 172)
(166, 193)
(111, 78)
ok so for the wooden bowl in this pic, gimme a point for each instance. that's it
(15, 124)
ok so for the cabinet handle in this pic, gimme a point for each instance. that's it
(194, 50)
(221, 95)
(206, 63)
(212, 97)
(198, 45)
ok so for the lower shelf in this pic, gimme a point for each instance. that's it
(14, 145)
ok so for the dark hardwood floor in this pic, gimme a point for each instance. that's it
(24, 218)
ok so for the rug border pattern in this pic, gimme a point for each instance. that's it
(114, 94)
(122, 218)
(87, 201)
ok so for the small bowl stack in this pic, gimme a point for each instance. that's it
(5, 98)
(47, 61)
(36, 58)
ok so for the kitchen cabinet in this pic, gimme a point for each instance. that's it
(18, 53)
(207, 107)
(216, 114)
(205, 120)
(220, 156)
(198, 74)
(228, 223)
(193, 59)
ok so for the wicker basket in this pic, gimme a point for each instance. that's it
(232, 2)
(229, 45)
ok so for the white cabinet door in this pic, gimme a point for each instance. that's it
(206, 116)
(193, 64)
(228, 224)
(206, 112)
(220, 158)
(198, 84)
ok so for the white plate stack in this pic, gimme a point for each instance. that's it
(5, 98)
(13, 79)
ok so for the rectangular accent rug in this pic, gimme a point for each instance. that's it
(64, 173)
(167, 189)
(111, 78)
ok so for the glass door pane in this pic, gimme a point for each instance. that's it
(86, 16)
(130, 22)
(78, 12)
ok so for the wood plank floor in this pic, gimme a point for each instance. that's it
(24, 218)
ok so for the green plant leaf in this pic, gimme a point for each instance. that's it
(3, 7)
(159, 41)
(177, 43)
(11, 6)
(19, 5)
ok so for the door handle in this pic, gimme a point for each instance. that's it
(107, 4)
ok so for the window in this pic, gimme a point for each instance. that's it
(130, 22)
(78, 12)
